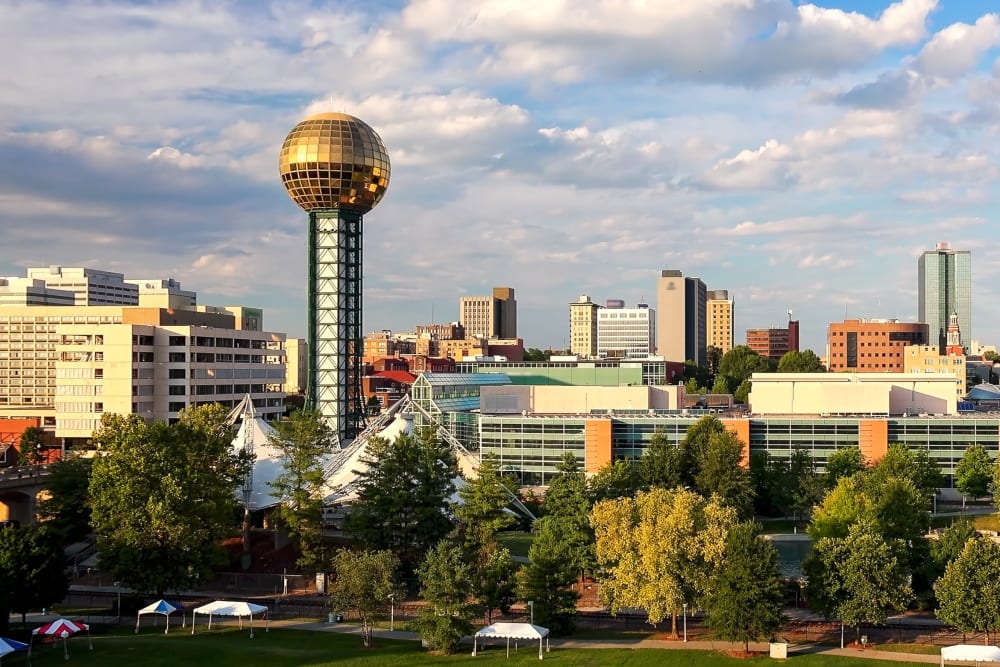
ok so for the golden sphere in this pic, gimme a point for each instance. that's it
(333, 160)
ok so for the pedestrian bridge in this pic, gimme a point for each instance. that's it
(19, 489)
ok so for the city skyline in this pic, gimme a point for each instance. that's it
(799, 156)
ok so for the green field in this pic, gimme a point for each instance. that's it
(284, 648)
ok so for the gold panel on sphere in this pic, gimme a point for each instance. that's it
(333, 160)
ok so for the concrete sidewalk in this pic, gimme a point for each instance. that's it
(662, 644)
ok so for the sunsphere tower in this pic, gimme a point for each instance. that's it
(336, 168)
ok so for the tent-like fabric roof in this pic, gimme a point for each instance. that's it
(161, 607)
(10, 645)
(513, 631)
(61, 627)
(970, 653)
(230, 608)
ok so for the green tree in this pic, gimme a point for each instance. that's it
(304, 439)
(163, 496)
(894, 507)
(740, 363)
(843, 463)
(713, 358)
(745, 599)
(857, 578)
(950, 545)
(969, 590)
(33, 571)
(658, 550)
(805, 361)
(974, 472)
(721, 385)
(616, 479)
(534, 354)
(742, 393)
(364, 582)
(768, 477)
(481, 514)
(444, 586)
(403, 495)
(551, 570)
(694, 445)
(66, 510)
(662, 463)
(720, 472)
(806, 487)
(915, 465)
(568, 502)
(31, 446)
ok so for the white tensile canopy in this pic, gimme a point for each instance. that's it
(164, 608)
(254, 436)
(513, 631)
(240, 610)
(970, 653)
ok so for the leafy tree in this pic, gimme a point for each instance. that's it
(805, 361)
(551, 570)
(696, 376)
(713, 358)
(534, 354)
(303, 439)
(32, 568)
(720, 386)
(974, 472)
(806, 487)
(568, 502)
(915, 465)
(969, 590)
(842, 507)
(894, 507)
(768, 477)
(694, 445)
(843, 463)
(66, 510)
(163, 496)
(950, 545)
(403, 495)
(481, 514)
(617, 479)
(364, 582)
(444, 586)
(746, 597)
(740, 363)
(720, 473)
(659, 549)
(857, 578)
(31, 446)
(742, 393)
(662, 463)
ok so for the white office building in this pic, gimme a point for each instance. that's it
(626, 333)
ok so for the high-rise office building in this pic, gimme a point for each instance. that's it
(681, 305)
(489, 316)
(626, 333)
(944, 278)
(719, 320)
(583, 327)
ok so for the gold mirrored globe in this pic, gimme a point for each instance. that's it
(334, 161)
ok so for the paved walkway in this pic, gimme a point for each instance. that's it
(871, 653)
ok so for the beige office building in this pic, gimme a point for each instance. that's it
(928, 359)
(67, 365)
(296, 366)
(583, 327)
(719, 320)
(489, 316)
(681, 311)
(32, 292)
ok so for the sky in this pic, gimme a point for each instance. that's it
(800, 155)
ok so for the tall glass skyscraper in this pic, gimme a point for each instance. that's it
(945, 286)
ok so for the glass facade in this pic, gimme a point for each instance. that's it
(530, 448)
(945, 286)
(945, 439)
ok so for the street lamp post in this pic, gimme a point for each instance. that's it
(392, 612)
(685, 622)
(118, 589)
(531, 606)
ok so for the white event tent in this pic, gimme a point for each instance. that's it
(240, 610)
(163, 608)
(970, 653)
(513, 631)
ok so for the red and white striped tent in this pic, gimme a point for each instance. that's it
(62, 628)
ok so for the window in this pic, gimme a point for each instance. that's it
(98, 373)
(176, 374)
(177, 357)
(177, 390)
(177, 341)
(176, 406)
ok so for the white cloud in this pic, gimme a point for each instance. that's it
(954, 51)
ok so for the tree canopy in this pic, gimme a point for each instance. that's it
(304, 439)
(740, 363)
(552, 568)
(659, 549)
(403, 495)
(662, 463)
(444, 585)
(364, 582)
(163, 496)
(969, 590)
(974, 472)
(844, 462)
(66, 509)
(32, 569)
(805, 361)
(745, 599)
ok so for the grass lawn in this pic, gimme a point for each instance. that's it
(284, 648)
(518, 543)
(987, 522)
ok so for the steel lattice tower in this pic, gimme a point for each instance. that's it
(336, 168)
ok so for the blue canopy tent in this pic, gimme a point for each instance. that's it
(163, 608)
(9, 646)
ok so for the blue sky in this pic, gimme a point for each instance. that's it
(800, 155)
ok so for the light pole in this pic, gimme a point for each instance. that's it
(118, 588)
(392, 612)
(685, 622)
(531, 607)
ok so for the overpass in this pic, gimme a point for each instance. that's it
(19, 489)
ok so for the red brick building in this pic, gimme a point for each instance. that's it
(872, 346)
